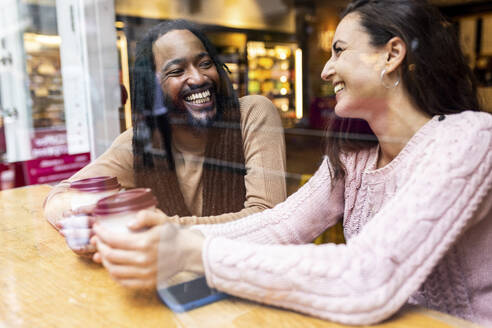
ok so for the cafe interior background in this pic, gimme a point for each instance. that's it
(65, 78)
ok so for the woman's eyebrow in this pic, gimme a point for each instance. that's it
(336, 43)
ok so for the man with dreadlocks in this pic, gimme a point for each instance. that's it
(208, 156)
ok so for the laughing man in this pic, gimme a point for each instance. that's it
(208, 156)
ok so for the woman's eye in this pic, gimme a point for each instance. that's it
(337, 50)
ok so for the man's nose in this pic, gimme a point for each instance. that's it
(196, 77)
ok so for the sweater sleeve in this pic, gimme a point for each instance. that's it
(371, 277)
(116, 161)
(299, 219)
(264, 155)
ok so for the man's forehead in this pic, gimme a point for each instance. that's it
(179, 41)
(176, 45)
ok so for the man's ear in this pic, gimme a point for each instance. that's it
(396, 51)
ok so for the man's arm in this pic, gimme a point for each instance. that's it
(116, 161)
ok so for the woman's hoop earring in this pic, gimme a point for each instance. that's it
(388, 86)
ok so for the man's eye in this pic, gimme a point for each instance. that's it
(337, 50)
(175, 72)
(206, 64)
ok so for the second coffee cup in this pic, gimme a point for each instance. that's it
(115, 212)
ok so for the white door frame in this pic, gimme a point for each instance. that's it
(15, 100)
(91, 86)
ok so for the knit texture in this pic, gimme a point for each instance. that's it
(417, 231)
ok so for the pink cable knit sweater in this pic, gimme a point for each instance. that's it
(419, 230)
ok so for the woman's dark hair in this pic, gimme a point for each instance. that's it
(154, 164)
(434, 70)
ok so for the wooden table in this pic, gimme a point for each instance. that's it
(44, 284)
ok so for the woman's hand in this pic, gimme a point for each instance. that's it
(147, 219)
(76, 227)
(148, 258)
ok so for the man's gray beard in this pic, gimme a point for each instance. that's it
(197, 123)
(184, 117)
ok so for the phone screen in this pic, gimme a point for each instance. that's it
(189, 295)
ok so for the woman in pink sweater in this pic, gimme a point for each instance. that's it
(415, 201)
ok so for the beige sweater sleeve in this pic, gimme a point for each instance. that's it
(264, 150)
(116, 161)
(264, 153)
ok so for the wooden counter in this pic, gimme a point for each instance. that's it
(44, 284)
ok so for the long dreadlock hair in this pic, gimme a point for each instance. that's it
(223, 169)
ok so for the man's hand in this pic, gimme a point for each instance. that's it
(56, 203)
(76, 227)
(147, 258)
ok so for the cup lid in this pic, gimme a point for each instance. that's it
(96, 184)
(126, 201)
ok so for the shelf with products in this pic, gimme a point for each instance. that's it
(45, 82)
(233, 58)
(231, 47)
(271, 73)
(483, 70)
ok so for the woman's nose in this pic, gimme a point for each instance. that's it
(328, 71)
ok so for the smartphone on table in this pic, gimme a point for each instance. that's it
(190, 294)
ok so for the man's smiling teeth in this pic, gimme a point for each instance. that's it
(199, 97)
(339, 86)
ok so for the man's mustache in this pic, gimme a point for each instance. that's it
(190, 88)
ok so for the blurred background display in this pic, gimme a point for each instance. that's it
(45, 81)
(271, 69)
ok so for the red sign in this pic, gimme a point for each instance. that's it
(49, 142)
(51, 162)
(54, 169)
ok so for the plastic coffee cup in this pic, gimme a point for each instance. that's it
(89, 191)
(115, 212)
(85, 192)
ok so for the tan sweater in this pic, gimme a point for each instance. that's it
(264, 153)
